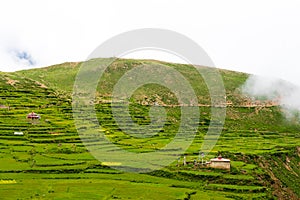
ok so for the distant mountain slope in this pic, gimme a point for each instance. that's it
(61, 77)
(262, 144)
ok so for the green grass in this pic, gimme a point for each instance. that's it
(235, 188)
(50, 162)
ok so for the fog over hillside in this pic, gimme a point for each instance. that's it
(273, 89)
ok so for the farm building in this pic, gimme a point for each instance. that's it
(33, 116)
(3, 106)
(219, 163)
(18, 133)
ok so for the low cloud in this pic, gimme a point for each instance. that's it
(283, 92)
(23, 57)
(16, 58)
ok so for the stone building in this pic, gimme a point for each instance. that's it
(219, 163)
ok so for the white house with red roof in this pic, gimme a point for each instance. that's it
(219, 163)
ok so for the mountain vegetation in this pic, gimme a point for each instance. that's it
(49, 161)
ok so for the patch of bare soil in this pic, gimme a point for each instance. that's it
(11, 81)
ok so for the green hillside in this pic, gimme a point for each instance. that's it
(50, 162)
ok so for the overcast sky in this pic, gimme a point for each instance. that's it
(255, 36)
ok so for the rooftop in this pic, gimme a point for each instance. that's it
(219, 159)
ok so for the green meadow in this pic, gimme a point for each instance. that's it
(49, 161)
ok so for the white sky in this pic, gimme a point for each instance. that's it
(256, 36)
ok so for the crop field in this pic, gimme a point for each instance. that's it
(49, 161)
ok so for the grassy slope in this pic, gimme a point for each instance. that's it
(251, 136)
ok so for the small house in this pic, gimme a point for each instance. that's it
(33, 116)
(219, 163)
(18, 133)
(3, 106)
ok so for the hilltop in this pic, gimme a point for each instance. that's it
(262, 144)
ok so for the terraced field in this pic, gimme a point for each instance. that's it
(50, 162)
